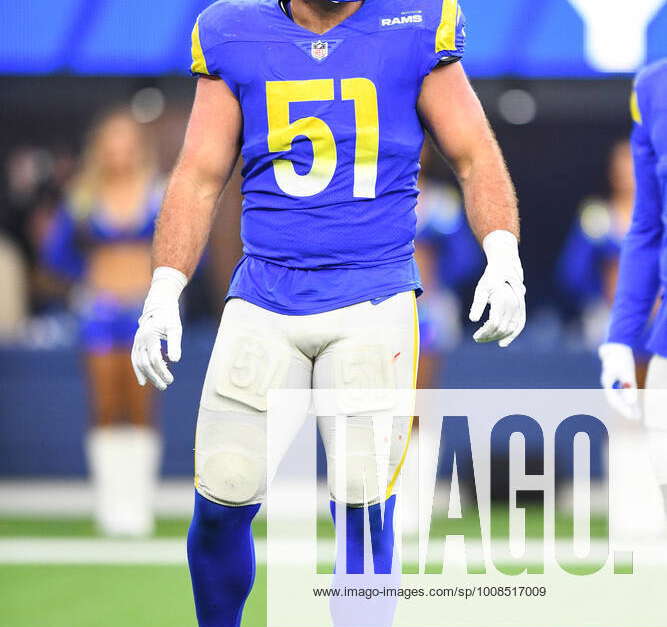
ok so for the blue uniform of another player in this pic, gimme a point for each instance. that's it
(643, 278)
(331, 144)
(643, 271)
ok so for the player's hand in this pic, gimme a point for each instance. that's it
(501, 287)
(619, 379)
(160, 320)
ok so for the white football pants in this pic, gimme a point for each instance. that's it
(364, 346)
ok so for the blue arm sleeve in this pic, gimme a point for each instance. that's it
(59, 252)
(639, 275)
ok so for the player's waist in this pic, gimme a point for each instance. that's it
(312, 249)
(304, 291)
(348, 235)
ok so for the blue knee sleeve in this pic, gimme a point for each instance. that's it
(221, 555)
(382, 536)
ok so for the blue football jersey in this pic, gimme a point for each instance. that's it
(643, 267)
(331, 143)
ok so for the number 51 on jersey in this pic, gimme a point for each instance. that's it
(282, 132)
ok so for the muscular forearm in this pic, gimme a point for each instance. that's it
(185, 221)
(490, 199)
(456, 121)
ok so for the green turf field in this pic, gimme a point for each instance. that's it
(79, 528)
(132, 595)
(106, 596)
(103, 595)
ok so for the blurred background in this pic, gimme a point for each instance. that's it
(94, 98)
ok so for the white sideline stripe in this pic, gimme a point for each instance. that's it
(173, 552)
(50, 498)
(90, 551)
(57, 498)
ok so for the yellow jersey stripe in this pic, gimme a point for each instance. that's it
(415, 363)
(445, 37)
(634, 108)
(198, 58)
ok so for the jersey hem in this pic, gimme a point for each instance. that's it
(260, 302)
(349, 265)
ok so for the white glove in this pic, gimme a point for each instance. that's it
(619, 379)
(502, 287)
(160, 320)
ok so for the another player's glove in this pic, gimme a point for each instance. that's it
(619, 379)
(501, 287)
(160, 320)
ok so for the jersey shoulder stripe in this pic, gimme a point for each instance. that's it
(223, 22)
(445, 37)
(444, 29)
(443, 32)
(635, 111)
(199, 65)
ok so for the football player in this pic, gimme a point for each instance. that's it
(643, 272)
(643, 267)
(328, 103)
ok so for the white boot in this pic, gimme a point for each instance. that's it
(124, 463)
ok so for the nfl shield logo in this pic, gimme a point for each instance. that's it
(319, 50)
